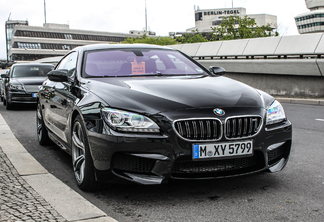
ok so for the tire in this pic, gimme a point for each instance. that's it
(41, 131)
(9, 106)
(81, 158)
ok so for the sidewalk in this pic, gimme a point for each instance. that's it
(29, 193)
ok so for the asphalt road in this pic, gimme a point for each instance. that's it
(294, 194)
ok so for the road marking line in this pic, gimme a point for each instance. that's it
(320, 120)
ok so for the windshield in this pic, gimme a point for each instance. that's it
(130, 62)
(30, 71)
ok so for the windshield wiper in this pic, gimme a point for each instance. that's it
(139, 75)
(158, 73)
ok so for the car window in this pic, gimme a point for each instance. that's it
(138, 62)
(30, 71)
(69, 63)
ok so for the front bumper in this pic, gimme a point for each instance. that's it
(22, 97)
(157, 159)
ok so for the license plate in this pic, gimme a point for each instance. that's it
(34, 95)
(218, 150)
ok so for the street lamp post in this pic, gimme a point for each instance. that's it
(145, 18)
(45, 11)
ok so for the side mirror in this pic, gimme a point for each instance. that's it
(217, 70)
(60, 75)
(4, 76)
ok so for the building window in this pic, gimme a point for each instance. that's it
(68, 36)
(310, 25)
(218, 22)
(309, 17)
(23, 45)
(198, 16)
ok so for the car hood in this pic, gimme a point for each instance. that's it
(161, 94)
(28, 80)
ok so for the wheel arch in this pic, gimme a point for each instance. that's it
(74, 115)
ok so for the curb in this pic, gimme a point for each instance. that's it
(68, 203)
(316, 102)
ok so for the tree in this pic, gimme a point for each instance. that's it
(151, 40)
(192, 37)
(246, 28)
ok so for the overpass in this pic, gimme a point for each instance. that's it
(282, 66)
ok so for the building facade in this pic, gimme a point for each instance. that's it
(29, 43)
(205, 19)
(9, 27)
(313, 21)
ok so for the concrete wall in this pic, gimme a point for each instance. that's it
(295, 45)
(282, 66)
(294, 53)
(304, 79)
(302, 67)
(283, 85)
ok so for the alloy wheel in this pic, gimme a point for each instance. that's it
(41, 131)
(78, 152)
(39, 123)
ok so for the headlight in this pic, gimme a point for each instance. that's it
(124, 121)
(16, 87)
(276, 113)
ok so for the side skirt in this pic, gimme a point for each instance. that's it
(59, 143)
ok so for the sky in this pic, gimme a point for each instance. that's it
(124, 15)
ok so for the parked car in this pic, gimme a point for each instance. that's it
(20, 84)
(1, 88)
(149, 114)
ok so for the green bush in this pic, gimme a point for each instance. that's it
(151, 40)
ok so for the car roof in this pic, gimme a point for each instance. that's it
(120, 46)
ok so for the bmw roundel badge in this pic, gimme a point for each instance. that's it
(219, 112)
